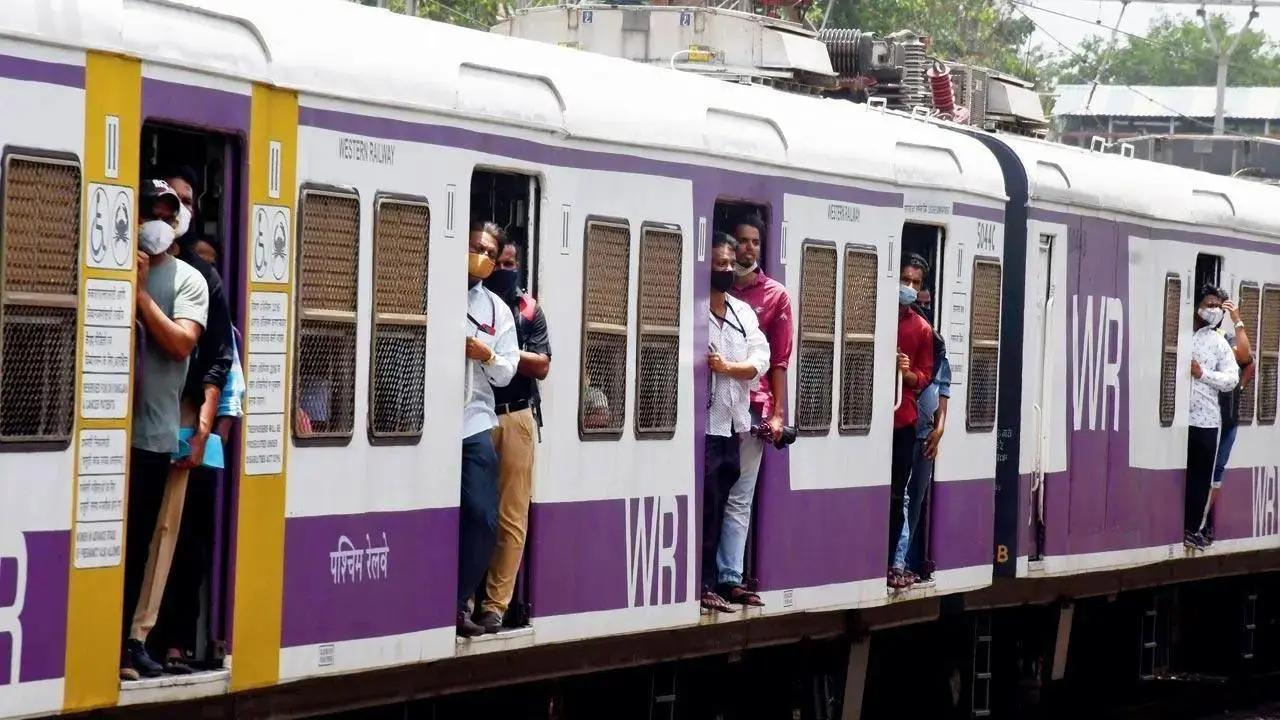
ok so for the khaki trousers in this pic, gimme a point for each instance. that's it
(163, 542)
(514, 440)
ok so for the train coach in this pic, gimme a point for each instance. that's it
(342, 152)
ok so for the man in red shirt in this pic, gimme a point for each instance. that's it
(915, 365)
(772, 305)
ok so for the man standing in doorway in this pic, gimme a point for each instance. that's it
(492, 357)
(1213, 371)
(519, 425)
(772, 306)
(738, 356)
(915, 367)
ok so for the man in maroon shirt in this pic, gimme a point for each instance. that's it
(915, 365)
(772, 305)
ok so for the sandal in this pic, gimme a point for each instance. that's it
(742, 596)
(897, 579)
(176, 665)
(712, 601)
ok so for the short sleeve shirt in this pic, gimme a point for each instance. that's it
(182, 294)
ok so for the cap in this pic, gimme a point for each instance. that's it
(153, 192)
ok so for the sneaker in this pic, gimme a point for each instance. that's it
(467, 628)
(1195, 541)
(140, 661)
(491, 621)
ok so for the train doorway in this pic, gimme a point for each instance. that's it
(183, 615)
(511, 200)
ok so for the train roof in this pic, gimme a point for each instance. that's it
(345, 50)
(1069, 175)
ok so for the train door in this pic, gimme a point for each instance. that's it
(194, 609)
(1044, 299)
(511, 201)
(733, 217)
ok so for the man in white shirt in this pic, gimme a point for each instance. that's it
(492, 357)
(739, 355)
(1213, 371)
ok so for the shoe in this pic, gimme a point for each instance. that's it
(140, 661)
(176, 664)
(1195, 541)
(467, 628)
(1207, 534)
(490, 621)
(128, 674)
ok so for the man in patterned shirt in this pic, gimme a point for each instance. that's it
(738, 355)
(1213, 371)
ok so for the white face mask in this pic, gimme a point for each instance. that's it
(155, 237)
(743, 271)
(184, 220)
(1211, 316)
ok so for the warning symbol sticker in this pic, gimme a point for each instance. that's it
(111, 231)
(271, 256)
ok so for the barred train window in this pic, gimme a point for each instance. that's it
(817, 338)
(1169, 347)
(39, 288)
(325, 381)
(1250, 298)
(857, 349)
(606, 287)
(1269, 354)
(984, 345)
(397, 374)
(658, 358)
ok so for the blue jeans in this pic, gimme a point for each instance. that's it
(478, 522)
(910, 550)
(1225, 442)
(737, 508)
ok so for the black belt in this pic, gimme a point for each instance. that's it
(511, 407)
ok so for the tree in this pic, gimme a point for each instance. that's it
(989, 33)
(1175, 51)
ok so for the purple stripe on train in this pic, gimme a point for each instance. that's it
(361, 576)
(41, 71)
(34, 584)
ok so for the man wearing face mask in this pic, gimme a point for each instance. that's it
(738, 356)
(492, 358)
(771, 304)
(1213, 371)
(192, 503)
(519, 422)
(915, 367)
(173, 306)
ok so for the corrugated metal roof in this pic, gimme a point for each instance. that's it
(1160, 101)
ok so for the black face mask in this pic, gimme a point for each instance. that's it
(504, 284)
(722, 280)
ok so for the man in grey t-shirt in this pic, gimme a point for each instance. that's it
(173, 307)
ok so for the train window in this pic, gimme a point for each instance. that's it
(1250, 298)
(817, 337)
(396, 377)
(1268, 354)
(857, 345)
(1169, 347)
(325, 376)
(606, 289)
(39, 287)
(658, 357)
(984, 345)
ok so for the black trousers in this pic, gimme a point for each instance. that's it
(720, 471)
(148, 473)
(1202, 454)
(904, 455)
(192, 560)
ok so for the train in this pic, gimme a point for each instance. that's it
(342, 152)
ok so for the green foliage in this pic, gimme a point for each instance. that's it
(1176, 51)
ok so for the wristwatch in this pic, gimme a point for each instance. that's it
(1239, 323)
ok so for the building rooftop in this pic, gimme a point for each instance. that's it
(1164, 101)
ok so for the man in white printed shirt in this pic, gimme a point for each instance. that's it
(738, 356)
(492, 356)
(1213, 371)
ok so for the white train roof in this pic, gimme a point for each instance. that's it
(345, 50)
(1068, 175)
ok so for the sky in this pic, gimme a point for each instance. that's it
(1100, 17)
